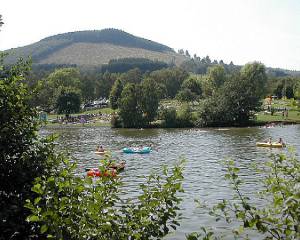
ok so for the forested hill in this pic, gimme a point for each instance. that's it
(93, 48)
(113, 36)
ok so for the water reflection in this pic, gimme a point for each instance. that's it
(203, 148)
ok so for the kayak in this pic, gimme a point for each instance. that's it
(137, 150)
(100, 153)
(272, 145)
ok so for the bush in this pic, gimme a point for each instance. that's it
(23, 156)
(185, 117)
(72, 207)
(116, 121)
(169, 117)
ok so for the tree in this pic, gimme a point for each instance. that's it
(185, 117)
(88, 88)
(207, 59)
(149, 99)
(23, 156)
(216, 75)
(115, 93)
(172, 78)
(1, 23)
(255, 74)
(60, 82)
(104, 84)
(236, 101)
(129, 109)
(187, 53)
(169, 117)
(192, 84)
(186, 95)
(68, 103)
(132, 76)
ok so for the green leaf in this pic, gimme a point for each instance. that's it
(44, 228)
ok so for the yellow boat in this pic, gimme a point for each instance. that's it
(272, 145)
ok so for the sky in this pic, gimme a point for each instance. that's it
(241, 31)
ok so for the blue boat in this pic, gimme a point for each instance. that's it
(137, 150)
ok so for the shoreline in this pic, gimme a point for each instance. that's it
(107, 124)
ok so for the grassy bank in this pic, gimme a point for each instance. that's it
(278, 106)
(102, 116)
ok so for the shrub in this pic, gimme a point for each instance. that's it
(72, 207)
(23, 156)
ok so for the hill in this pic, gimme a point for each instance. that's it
(94, 48)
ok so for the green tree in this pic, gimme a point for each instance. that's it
(65, 78)
(192, 84)
(23, 156)
(59, 82)
(186, 95)
(88, 88)
(237, 100)
(190, 90)
(68, 103)
(149, 99)
(129, 108)
(172, 78)
(1, 23)
(255, 73)
(169, 117)
(132, 76)
(184, 117)
(115, 93)
(216, 75)
(104, 84)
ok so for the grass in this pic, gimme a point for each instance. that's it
(261, 117)
(93, 111)
(78, 125)
(293, 112)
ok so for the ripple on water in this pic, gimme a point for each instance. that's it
(203, 150)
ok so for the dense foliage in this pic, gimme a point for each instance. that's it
(22, 156)
(115, 94)
(125, 64)
(130, 109)
(235, 102)
(68, 103)
(72, 207)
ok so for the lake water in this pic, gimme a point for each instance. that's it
(203, 150)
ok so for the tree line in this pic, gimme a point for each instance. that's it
(217, 98)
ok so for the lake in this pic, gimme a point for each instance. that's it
(203, 150)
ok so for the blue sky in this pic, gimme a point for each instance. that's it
(239, 30)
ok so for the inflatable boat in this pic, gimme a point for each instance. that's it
(271, 145)
(137, 150)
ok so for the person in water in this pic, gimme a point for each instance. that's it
(269, 140)
(100, 149)
(281, 141)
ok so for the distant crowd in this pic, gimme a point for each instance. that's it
(82, 119)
